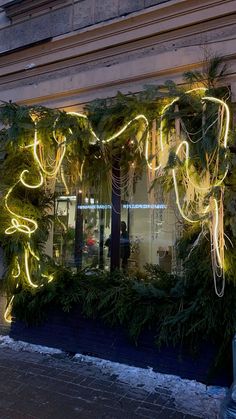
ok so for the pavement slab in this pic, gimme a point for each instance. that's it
(40, 386)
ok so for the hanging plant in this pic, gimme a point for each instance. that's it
(44, 146)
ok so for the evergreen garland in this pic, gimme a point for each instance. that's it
(177, 309)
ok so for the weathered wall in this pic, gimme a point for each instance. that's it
(34, 21)
(151, 45)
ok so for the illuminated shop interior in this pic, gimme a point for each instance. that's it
(153, 229)
(139, 222)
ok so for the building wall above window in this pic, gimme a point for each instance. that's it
(24, 22)
(23, 9)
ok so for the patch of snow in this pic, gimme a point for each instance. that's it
(30, 65)
(7, 342)
(190, 397)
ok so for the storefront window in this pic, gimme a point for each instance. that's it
(64, 230)
(149, 230)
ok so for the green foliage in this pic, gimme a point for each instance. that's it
(108, 295)
(176, 309)
(213, 71)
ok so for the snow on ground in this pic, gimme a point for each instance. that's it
(189, 396)
(7, 342)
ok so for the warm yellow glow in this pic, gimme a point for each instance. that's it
(49, 277)
(37, 185)
(213, 183)
(7, 313)
(16, 226)
(117, 134)
(17, 274)
(24, 225)
(64, 181)
(163, 113)
(221, 102)
(59, 157)
(27, 271)
(15, 221)
(32, 252)
(215, 225)
(28, 226)
(62, 224)
(80, 115)
(216, 233)
(178, 201)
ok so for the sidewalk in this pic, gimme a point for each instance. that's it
(35, 385)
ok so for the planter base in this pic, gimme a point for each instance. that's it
(73, 333)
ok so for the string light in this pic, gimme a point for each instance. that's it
(163, 112)
(30, 186)
(29, 226)
(59, 157)
(215, 234)
(221, 102)
(212, 211)
(64, 181)
(178, 201)
(50, 278)
(123, 129)
(7, 312)
(17, 274)
(27, 271)
(16, 224)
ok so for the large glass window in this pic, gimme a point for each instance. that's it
(149, 230)
(64, 230)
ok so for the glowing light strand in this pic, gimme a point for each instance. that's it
(28, 226)
(215, 226)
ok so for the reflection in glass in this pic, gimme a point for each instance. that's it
(149, 230)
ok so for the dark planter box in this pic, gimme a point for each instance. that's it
(73, 333)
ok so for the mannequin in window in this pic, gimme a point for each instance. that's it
(124, 246)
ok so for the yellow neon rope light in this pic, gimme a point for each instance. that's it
(17, 221)
(215, 234)
(165, 108)
(17, 274)
(54, 172)
(221, 102)
(27, 271)
(28, 226)
(7, 312)
(49, 277)
(30, 186)
(64, 181)
(178, 201)
(32, 252)
(80, 115)
(184, 143)
(16, 224)
(117, 134)
(214, 225)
